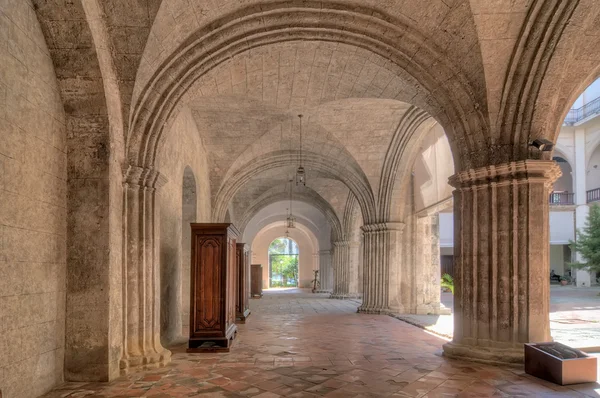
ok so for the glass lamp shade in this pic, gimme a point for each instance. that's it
(291, 222)
(301, 176)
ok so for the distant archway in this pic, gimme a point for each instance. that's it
(283, 263)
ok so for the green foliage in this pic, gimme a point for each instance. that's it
(588, 242)
(287, 267)
(565, 278)
(448, 282)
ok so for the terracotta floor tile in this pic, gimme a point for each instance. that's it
(301, 345)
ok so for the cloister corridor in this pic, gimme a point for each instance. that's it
(298, 344)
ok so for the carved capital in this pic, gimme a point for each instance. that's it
(143, 177)
(382, 227)
(341, 243)
(521, 172)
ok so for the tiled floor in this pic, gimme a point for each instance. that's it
(299, 345)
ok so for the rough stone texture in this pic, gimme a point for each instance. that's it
(182, 159)
(502, 240)
(33, 214)
(492, 74)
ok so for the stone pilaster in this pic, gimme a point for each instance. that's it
(354, 265)
(345, 270)
(501, 246)
(427, 267)
(325, 271)
(341, 269)
(381, 247)
(141, 295)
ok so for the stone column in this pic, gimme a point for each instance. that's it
(141, 295)
(381, 247)
(501, 247)
(325, 271)
(341, 269)
(583, 277)
(427, 266)
(354, 265)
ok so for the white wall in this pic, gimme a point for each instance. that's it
(433, 166)
(562, 227)
(446, 229)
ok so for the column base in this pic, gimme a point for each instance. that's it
(432, 309)
(345, 296)
(144, 362)
(373, 310)
(487, 355)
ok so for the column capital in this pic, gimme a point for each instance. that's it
(382, 227)
(341, 243)
(324, 252)
(143, 176)
(521, 172)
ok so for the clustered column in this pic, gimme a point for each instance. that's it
(381, 247)
(341, 269)
(141, 296)
(501, 247)
(325, 271)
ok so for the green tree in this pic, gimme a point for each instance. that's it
(588, 242)
(448, 282)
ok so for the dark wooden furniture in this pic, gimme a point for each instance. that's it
(212, 301)
(242, 303)
(559, 363)
(256, 281)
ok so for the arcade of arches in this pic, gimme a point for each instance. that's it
(122, 121)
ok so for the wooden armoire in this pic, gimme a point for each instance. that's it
(242, 305)
(213, 287)
(256, 278)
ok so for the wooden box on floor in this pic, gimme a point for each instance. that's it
(242, 305)
(559, 363)
(212, 302)
(256, 278)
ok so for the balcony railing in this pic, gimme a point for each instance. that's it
(562, 198)
(593, 195)
(576, 115)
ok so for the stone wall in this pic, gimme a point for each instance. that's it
(32, 208)
(182, 150)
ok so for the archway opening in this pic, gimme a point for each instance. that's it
(574, 309)
(562, 193)
(283, 263)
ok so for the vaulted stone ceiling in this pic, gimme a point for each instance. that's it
(244, 100)
(247, 109)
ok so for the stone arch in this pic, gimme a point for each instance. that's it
(309, 197)
(304, 238)
(398, 163)
(568, 52)
(454, 104)
(353, 179)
